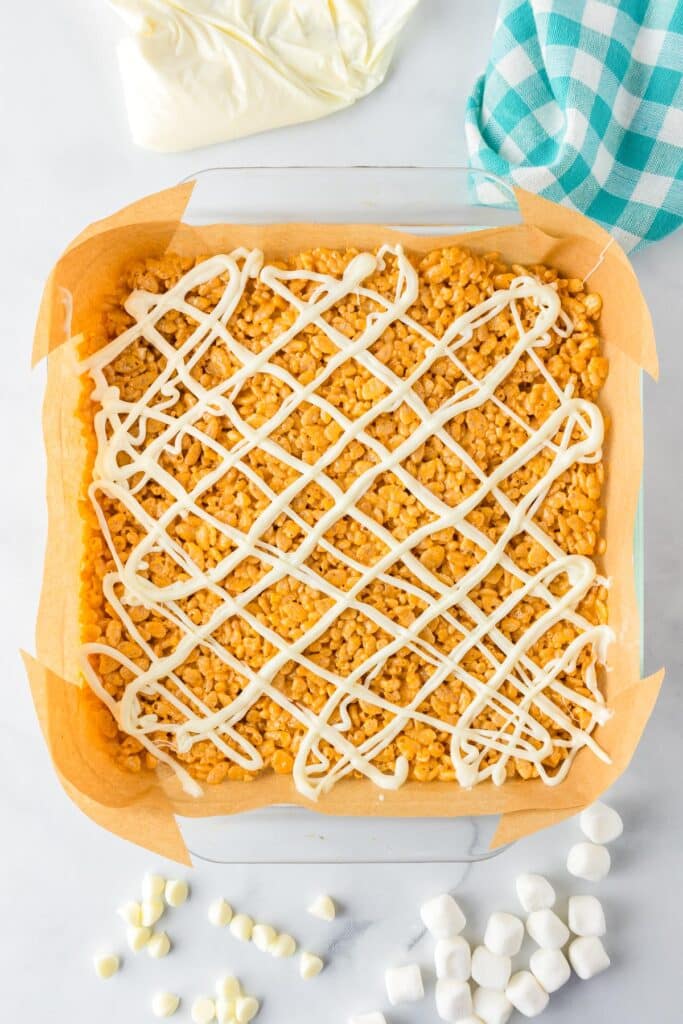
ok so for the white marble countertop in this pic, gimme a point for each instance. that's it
(67, 160)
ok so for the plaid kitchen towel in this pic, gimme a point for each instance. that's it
(582, 102)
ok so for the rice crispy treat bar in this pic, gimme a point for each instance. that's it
(386, 562)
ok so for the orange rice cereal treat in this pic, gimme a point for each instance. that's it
(342, 515)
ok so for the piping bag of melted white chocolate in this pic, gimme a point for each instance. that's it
(197, 72)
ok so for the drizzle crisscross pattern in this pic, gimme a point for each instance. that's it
(518, 692)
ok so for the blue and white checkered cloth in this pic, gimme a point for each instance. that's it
(582, 102)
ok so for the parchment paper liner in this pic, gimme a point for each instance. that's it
(142, 808)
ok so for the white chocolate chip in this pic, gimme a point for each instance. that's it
(152, 887)
(404, 984)
(220, 913)
(228, 987)
(600, 823)
(131, 913)
(535, 892)
(106, 964)
(323, 907)
(310, 965)
(225, 1010)
(159, 945)
(138, 938)
(283, 945)
(589, 861)
(241, 927)
(152, 911)
(165, 1004)
(176, 892)
(203, 1010)
(263, 936)
(246, 1009)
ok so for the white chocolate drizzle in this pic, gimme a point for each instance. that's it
(125, 453)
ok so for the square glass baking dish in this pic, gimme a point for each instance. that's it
(421, 200)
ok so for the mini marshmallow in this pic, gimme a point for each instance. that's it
(152, 886)
(159, 945)
(546, 929)
(403, 984)
(131, 913)
(220, 913)
(374, 1017)
(588, 956)
(176, 892)
(106, 965)
(165, 1004)
(504, 934)
(241, 927)
(203, 1010)
(600, 823)
(492, 1007)
(550, 968)
(246, 1009)
(526, 995)
(589, 861)
(137, 938)
(453, 958)
(228, 987)
(586, 916)
(442, 916)
(263, 936)
(310, 965)
(323, 908)
(490, 970)
(453, 999)
(535, 892)
(282, 945)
